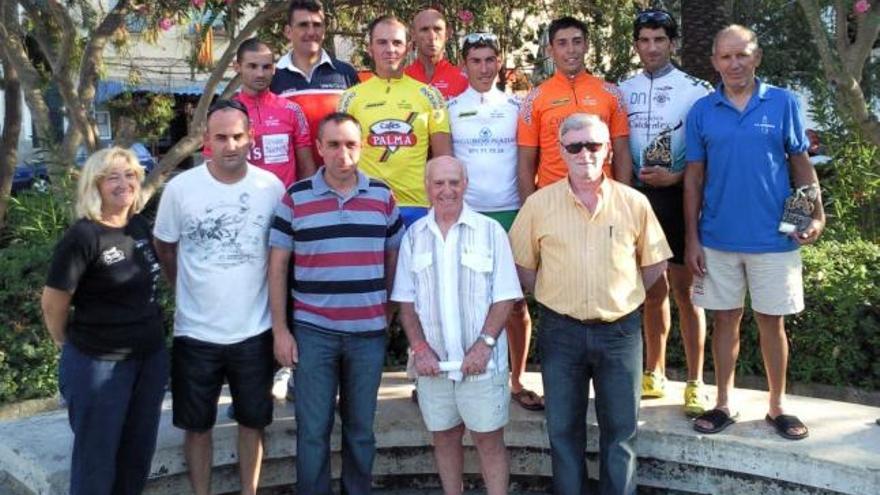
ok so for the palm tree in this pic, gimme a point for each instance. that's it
(700, 20)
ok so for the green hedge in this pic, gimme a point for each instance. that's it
(835, 341)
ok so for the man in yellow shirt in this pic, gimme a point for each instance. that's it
(400, 118)
(587, 247)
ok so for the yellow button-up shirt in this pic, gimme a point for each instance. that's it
(588, 263)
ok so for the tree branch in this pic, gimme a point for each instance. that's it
(842, 25)
(193, 140)
(866, 35)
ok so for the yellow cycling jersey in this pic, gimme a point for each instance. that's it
(398, 117)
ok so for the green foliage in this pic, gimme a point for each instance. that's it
(836, 339)
(28, 358)
(152, 113)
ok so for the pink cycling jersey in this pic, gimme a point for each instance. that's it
(280, 127)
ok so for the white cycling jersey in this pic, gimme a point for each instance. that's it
(657, 108)
(483, 129)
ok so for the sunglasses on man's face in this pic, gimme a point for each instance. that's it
(576, 147)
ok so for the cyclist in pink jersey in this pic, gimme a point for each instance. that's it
(282, 141)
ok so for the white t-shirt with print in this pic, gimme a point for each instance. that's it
(222, 232)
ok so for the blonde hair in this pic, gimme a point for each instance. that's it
(88, 198)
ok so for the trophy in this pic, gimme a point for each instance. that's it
(659, 152)
(798, 211)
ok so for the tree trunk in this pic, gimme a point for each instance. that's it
(700, 20)
(11, 132)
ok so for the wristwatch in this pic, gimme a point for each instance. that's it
(488, 340)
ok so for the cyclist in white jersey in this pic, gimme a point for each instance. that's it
(483, 121)
(658, 99)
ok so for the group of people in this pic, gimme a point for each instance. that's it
(323, 200)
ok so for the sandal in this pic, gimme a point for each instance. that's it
(528, 400)
(784, 423)
(718, 418)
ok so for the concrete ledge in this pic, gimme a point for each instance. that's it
(842, 454)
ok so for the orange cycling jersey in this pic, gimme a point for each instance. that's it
(549, 104)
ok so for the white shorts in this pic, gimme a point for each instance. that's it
(482, 405)
(774, 282)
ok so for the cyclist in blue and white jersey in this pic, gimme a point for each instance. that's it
(658, 100)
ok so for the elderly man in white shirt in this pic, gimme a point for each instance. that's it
(456, 284)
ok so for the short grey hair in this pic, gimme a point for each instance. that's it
(578, 121)
(748, 34)
(445, 158)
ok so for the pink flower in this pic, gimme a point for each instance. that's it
(862, 6)
(165, 24)
(198, 3)
(466, 16)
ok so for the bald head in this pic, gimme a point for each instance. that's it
(445, 162)
(429, 34)
(739, 32)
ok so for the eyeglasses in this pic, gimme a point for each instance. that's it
(224, 104)
(654, 16)
(576, 147)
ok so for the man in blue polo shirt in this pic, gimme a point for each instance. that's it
(746, 147)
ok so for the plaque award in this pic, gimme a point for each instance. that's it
(798, 211)
(659, 152)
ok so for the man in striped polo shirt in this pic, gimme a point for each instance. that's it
(339, 232)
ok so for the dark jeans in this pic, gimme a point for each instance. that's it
(352, 364)
(609, 354)
(113, 408)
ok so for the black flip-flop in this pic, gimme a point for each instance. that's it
(719, 419)
(784, 423)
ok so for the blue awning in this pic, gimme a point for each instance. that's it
(109, 89)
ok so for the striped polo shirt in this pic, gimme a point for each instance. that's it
(338, 249)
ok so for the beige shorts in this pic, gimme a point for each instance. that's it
(774, 282)
(482, 405)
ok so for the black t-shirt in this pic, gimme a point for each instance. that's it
(113, 273)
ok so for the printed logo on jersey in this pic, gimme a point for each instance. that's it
(271, 121)
(112, 256)
(765, 126)
(525, 111)
(392, 134)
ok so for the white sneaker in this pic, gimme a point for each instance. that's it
(279, 386)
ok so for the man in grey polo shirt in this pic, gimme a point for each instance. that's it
(456, 284)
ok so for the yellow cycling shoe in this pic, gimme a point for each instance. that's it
(653, 385)
(695, 398)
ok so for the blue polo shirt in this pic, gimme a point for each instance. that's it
(745, 155)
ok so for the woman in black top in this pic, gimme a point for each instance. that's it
(114, 365)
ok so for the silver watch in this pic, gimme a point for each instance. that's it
(488, 340)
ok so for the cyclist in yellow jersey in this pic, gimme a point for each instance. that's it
(400, 118)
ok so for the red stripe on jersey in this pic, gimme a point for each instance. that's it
(343, 313)
(329, 260)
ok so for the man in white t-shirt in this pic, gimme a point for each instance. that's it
(211, 235)
(483, 121)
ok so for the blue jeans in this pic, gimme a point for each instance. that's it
(610, 354)
(113, 408)
(352, 364)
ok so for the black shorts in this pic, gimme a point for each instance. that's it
(668, 205)
(198, 370)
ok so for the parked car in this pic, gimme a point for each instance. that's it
(144, 157)
(33, 173)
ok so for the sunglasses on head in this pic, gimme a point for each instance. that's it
(224, 104)
(576, 147)
(654, 16)
(480, 38)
